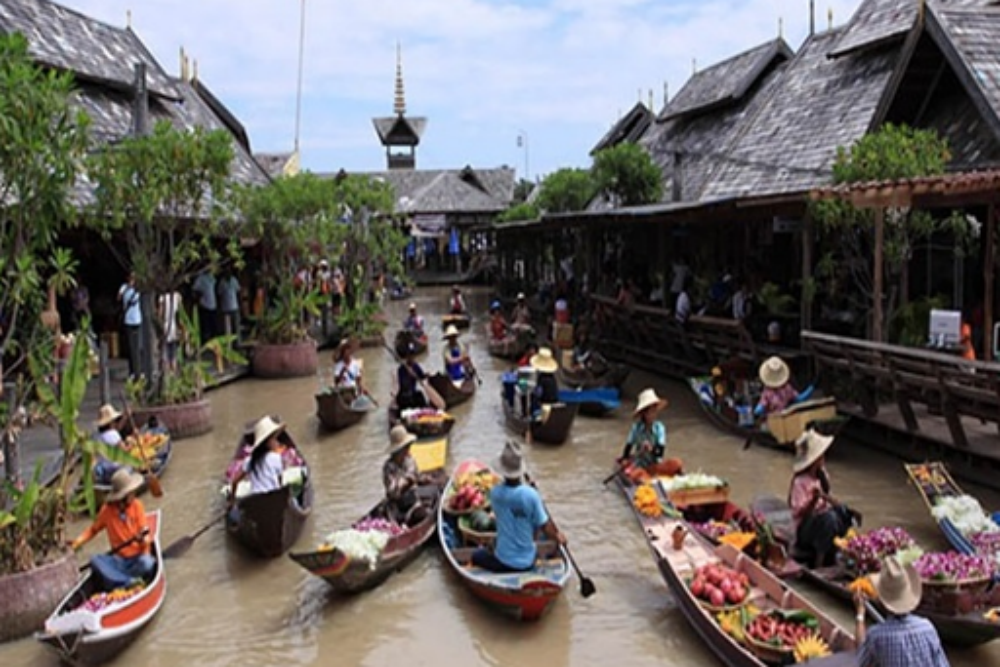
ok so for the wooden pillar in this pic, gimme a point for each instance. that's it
(807, 271)
(877, 278)
(989, 279)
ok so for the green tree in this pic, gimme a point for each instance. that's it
(522, 190)
(566, 190)
(627, 175)
(518, 212)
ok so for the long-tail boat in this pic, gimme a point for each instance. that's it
(552, 428)
(337, 409)
(453, 395)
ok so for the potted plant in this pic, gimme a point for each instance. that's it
(165, 196)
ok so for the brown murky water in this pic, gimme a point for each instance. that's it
(225, 608)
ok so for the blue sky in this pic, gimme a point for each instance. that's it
(481, 71)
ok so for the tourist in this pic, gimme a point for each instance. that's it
(124, 518)
(457, 365)
(409, 379)
(265, 466)
(109, 433)
(742, 301)
(414, 323)
(204, 290)
(346, 369)
(966, 342)
(682, 303)
(456, 305)
(819, 518)
(779, 393)
(547, 386)
(646, 443)
(401, 479)
(530, 351)
(498, 325)
(520, 514)
(520, 317)
(680, 278)
(129, 298)
(169, 306)
(229, 304)
(903, 638)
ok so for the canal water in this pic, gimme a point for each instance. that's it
(226, 608)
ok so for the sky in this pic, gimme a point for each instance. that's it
(558, 73)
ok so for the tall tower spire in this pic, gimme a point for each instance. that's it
(399, 105)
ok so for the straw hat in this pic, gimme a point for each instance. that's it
(520, 296)
(343, 346)
(898, 586)
(544, 362)
(323, 262)
(649, 399)
(510, 463)
(452, 330)
(264, 429)
(413, 306)
(106, 415)
(808, 448)
(774, 372)
(124, 482)
(399, 438)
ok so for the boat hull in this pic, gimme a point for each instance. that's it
(335, 413)
(451, 394)
(553, 431)
(270, 523)
(462, 321)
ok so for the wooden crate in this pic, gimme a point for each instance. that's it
(786, 426)
(562, 335)
(702, 496)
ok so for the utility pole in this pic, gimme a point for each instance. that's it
(522, 142)
(298, 93)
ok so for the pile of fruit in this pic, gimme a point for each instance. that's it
(646, 501)
(426, 416)
(862, 553)
(145, 445)
(952, 567)
(471, 490)
(788, 631)
(719, 585)
(99, 601)
(378, 524)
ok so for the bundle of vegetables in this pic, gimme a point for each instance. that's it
(719, 585)
(697, 480)
(965, 513)
(99, 601)
(952, 567)
(783, 630)
(863, 552)
(987, 545)
(646, 501)
(362, 546)
(378, 524)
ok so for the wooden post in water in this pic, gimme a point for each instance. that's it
(807, 271)
(877, 278)
(989, 279)
(105, 372)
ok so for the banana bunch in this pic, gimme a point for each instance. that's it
(731, 623)
(813, 646)
(483, 480)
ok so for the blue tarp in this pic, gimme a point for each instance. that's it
(608, 397)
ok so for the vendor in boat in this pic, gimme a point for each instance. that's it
(646, 444)
(530, 351)
(265, 465)
(819, 517)
(414, 323)
(346, 369)
(498, 325)
(903, 638)
(546, 385)
(520, 317)
(778, 391)
(457, 365)
(409, 379)
(110, 425)
(124, 518)
(401, 479)
(456, 304)
(520, 514)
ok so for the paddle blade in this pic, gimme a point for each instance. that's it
(587, 587)
(178, 548)
(153, 482)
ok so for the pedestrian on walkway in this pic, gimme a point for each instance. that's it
(204, 289)
(169, 306)
(229, 304)
(129, 298)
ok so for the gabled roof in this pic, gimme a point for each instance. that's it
(277, 164)
(63, 39)
(222, 112)
(725, 82)
(629, 129)
(819, 104)
(393, 128)
(449, 191)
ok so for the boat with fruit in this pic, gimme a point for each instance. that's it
(458, 320)
(91, 626)
(551, 429)
(405, 339)
(337, 409)
(745, 614)
(366, 554)
(451, 393)
(525, 596)
(154, 445)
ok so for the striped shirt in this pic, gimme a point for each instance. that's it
(902, 641)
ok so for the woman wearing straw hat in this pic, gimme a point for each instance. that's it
(401, 479)
(414, 323)
(647, 440)
(457, 364)
(520, 514)
(410, 379)
(107, 424)
(819, 517)
(903, 639)
(264, 466)
(347, 369)
(546, 385)
(124, 517)
(520, 317)
(778, 391)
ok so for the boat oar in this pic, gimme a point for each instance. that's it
(180, 547)
(431, 392)
(152, 481)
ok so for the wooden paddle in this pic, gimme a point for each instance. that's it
(180, 546)
(431, 392)
(142, 534)
(152, 481)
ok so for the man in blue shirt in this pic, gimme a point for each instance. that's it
(903, 639)
(520, 513)
(128, 296)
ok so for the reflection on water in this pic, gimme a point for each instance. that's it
(226, 608)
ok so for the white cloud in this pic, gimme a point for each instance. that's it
(481, 70)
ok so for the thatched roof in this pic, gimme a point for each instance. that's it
(629, 129)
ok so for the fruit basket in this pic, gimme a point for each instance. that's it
(718, 588)
(475, 537)
(772, 636)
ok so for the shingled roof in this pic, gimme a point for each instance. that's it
(725, 82)
(66, 40)
(629, 129)
(449, 191)
(394, 126)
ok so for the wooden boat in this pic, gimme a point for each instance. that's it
(584, 378)
(336, 409)
(158, 465)
(593, 402)
(459, 320)
(767, 592)
(405, 338)
(268, 524)
(83, 637)
(451, 394)
(525, 596)
(552, 430)
(782, 429)
(347, 575)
